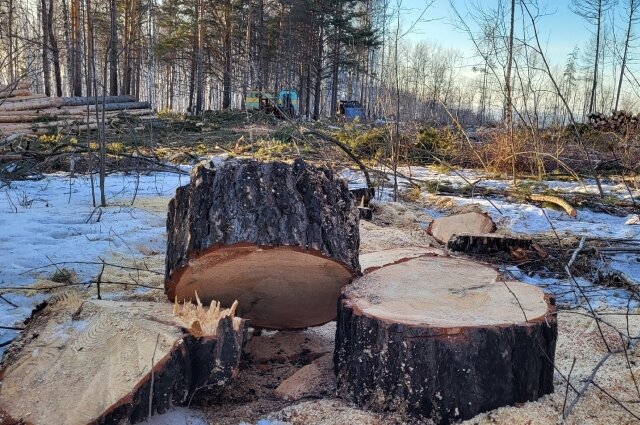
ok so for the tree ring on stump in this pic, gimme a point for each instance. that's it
(276, 287)
(443, 338)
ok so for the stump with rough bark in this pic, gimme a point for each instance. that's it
(282, 239)
(443, 338)
(488, 243)
(112, 362)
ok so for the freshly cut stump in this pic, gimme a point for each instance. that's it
(114, 362)
(282, 239)
(443, 228)
(443, 338)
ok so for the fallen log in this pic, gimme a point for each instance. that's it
(83, 100)
(556, 200)
(95, 361)
(280, 238)
(443, 228)
(14, 93)
(29, 105)
(441, 338)
(13, 86)
(25, 98)
(65, 115)
(486, 243)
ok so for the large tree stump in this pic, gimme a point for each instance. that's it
(114, 362)
(443, 338)
(282, 239)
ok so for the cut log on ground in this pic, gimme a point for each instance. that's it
(280, 238)
(442, 338)
(486, 243)
(115, 362)
(7, 88)
(443, 228)
(28, 114)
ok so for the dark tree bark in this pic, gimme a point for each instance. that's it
(46, 73)
(113, 362)
(486, 243)
(318, 76)
(76, 34)
(55, 52)
(226, 75)
(231, 221)
(113, 49)
(439, 338)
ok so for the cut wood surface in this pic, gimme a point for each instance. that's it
(280, 238)
(443, 228)
(106, 361)
(443, 338)
(374, 260)
(486, 243)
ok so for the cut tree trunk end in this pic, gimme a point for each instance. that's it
(443, 338)
(443, 228)
(282, 239)
(83, 362)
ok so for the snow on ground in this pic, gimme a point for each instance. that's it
(527, 219)
(177, 416)
(462, 178)
(53, 220)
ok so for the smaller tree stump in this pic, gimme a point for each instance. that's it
(443, 338)
(486, 243)
(113, 362)
(443, 228)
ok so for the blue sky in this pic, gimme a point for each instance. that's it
(560, 32)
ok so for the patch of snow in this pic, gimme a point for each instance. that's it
(177, 416)
(53, 220)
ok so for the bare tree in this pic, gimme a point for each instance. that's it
(593, 11)
(632, 17)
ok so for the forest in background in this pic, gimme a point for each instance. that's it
(197, 55)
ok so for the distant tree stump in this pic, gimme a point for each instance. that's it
(442, 229)
(486, 243)
(442, 338)
(282, 239)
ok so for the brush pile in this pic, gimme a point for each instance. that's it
(25, 113)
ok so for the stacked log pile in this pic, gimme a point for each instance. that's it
(22, 112)
(618, 122)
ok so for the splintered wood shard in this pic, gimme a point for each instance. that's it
(114, 362)
(204, 322)
(281, 239)
(442, 338)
